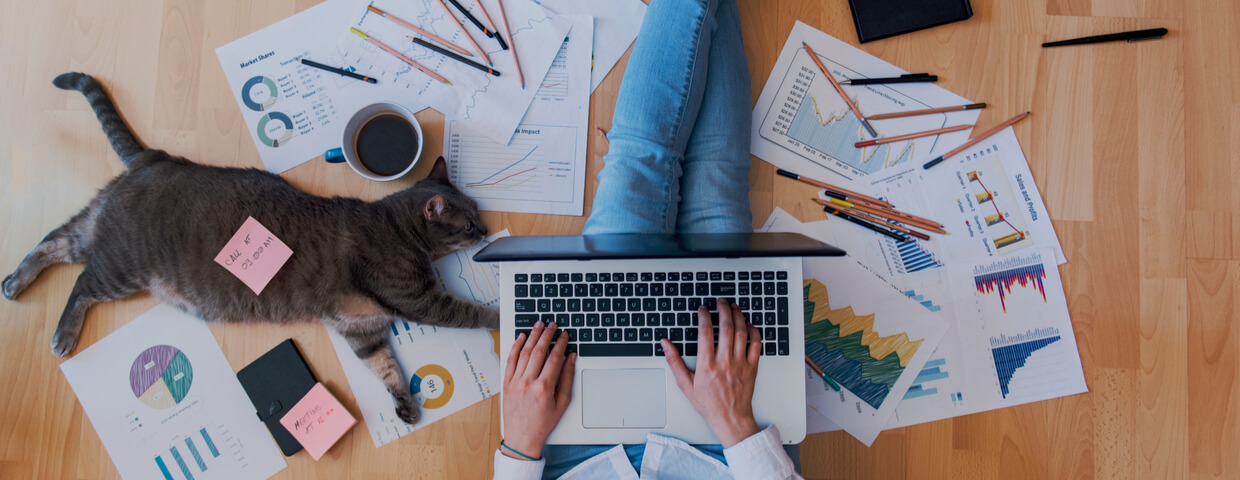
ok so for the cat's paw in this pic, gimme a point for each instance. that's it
(490, 319)
(10, 287)
(63, 344)
(407, 409)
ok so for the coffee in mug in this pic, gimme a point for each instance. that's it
(387, 144)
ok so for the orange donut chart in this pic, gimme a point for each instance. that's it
(438, 379)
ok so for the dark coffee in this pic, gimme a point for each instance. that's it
(387, 144)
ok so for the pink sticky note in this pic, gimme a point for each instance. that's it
(254, 255)
(318, 421)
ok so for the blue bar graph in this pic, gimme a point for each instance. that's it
(1011, 357)
(189, 442)
(917, 391)
(915, 258)
(163, 468)
(210, 445)
(933, 370)
(181, 463)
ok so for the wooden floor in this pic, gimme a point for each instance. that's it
(1133, 146)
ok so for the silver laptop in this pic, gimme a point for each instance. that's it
(616, 296)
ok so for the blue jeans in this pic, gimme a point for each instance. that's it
(679, 154)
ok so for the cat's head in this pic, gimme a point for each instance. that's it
(450, 217)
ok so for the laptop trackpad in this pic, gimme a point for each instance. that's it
(623, 398)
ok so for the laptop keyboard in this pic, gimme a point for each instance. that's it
(626, 314)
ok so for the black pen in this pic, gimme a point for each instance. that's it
(311, 63)
(447, 53)
(906, 78)
(871, 226)
(1133, 36)
(472, 19)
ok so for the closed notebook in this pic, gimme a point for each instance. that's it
(275, 383)
(877, 19)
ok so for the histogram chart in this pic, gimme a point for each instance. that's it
(538, 163)
(1025, 357)
(809, 118)
(999, 277)
(935, 369)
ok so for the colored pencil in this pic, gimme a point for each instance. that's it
(508, 33)
(863, 223)
(491, 23)
(466, 33)
(907, 219)
(910, 136)
(472, 19)
(928, 111)
(851, 106)
(849, 193)
(329, 68)
(882, 215)
(974, 140)
(814, 366)
(454, 56)
(397, 54)
(418, 30)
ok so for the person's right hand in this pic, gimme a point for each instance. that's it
(722, 387)
(538, 384)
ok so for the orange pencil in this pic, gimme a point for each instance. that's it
(418, 30)
(911, 136)
(883, 212)
(851, 194)
(397, 54)
(466, 33)
(852, 106)
(508, 33)
(928, 111)
(877, 221)
(974, 140)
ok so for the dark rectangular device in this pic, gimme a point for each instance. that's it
(637, 246)
(876, 19)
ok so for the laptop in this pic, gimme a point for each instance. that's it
(617, 295)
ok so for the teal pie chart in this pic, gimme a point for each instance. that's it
(275, 129)
(259, 93)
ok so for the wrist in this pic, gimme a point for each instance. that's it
(523, 448)
(737, 430)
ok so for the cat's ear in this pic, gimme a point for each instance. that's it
(434, 207)
(440, 170)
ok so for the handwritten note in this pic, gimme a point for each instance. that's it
(318, 421)
(254, 255)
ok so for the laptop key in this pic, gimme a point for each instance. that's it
(716, 276)
(571, 348)
(592, 320)
(684, 319)
(768, 303)
(588, 305)
(660, 333)
(574, 305)
(701, 276)
(544, 305)
(660, 277)
(673, 276)
(520, 306)
(641, 289)
(566, 290)
(626, 290)
(579, 320)
(562, 278)
(591, 277)
(577, 278)
(769, 334)
(658, 350)
(585, 335)
(550, 290)
(783, 334)
(616, 335)
(520, 291)
(638, 319)
(743, 303)
(691, 350)
(647, 276)
(669, 319)
(695, 303)
(615, 350)
(526, 331)
(742, 288)
(729, 276)
(671, 289)
(535, 277)
(604, 304)
(561, 319)
(665, 304)
(558, 305)
(781, 275)
(548, 318)
(783, 349)
(622, 319)
(611, 290)
(536, 290)
(580, 290)
(722, 289)
(691, 334)
(596, 289)
(768, 349)
(781, 288)
(635, 304)
(600, 334)
(679, 305)
(742, 275)
(609, 320)
(630, 335)
(783, 311)
(770, 318)
(572, 334)
(630, 277)
(768, 288)
(676, 334)
(656, 289)
(526, 320)
(604, 277)
(701, 289)
(645, 335)
(711, 303)
(768, 275)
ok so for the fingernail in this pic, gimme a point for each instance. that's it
(723, 301)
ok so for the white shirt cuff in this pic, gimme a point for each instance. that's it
(508, 468)
(761, 456)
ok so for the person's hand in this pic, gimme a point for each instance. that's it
(722, 387)
(537, 388)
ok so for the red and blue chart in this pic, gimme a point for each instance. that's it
(536, 165)
(999, 277)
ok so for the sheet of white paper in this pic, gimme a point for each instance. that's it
(616, 23)
(543, 168)
(801, 124)
(493, 105)
(166, 404)
(448, 368)
(294, 112)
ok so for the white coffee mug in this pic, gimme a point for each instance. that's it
(347, 153)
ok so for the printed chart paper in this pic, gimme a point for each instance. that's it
(801, 124)
(448, 368)
(543, 168)
(493, 105)
(616, 23)
(294, 112)
(166, 404)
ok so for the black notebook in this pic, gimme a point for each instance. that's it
(877, 19)
(275, 383)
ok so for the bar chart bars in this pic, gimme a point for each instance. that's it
(1012, 354)
(935, 369)
(197, 447)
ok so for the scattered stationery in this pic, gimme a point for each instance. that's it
(801, 124)
(472, 19)
(543, 167)
(847, 100)
(833, 188)
(973, 141)
(928, 111)
(906, 78)
(318, 421)
(453, 55)
(616, 23)
(1134, 36)
(398, 55)
(332, 69)
(461, 28)
(254, 255)
(165, 403)
(878, 19)
(491, 24)
(872, 226)
(275, 382)
(490, 105)
(910, 136)
(447, 369)
(293, 111)
(516, 58)
(418, 30)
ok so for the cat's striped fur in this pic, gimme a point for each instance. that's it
(356, 266)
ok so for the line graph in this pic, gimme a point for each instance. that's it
(536, 164)
(1006, 226)
(502, 170)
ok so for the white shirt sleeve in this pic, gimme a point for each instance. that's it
(508, 468)
(760, 457)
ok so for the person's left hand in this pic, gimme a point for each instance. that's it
(537, 388)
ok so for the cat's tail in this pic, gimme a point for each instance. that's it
(119, 134)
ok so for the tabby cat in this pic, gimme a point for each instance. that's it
(356, 266)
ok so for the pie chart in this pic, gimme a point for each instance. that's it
(432, 385)
(161, 376)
